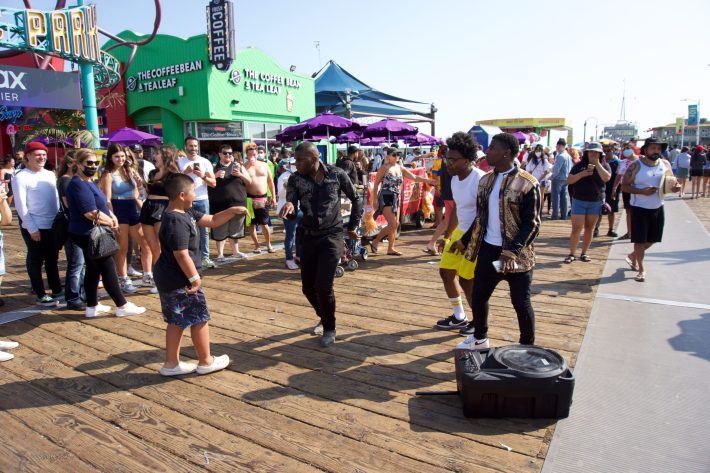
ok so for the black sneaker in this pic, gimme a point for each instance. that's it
(612, 233)
(596, 233)
(467, 330)
(451, 322)
(625, 236)
(76, 305)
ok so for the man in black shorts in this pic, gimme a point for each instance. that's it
(230, 191)
(643, 180)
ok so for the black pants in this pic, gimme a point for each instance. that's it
(42, 253)
(320, 256)
(95, 268)
(485, 280)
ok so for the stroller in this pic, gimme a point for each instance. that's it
(351, 250)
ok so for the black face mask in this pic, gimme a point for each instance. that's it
(89, 172)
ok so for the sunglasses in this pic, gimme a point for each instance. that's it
(228, 152)
(91, 163)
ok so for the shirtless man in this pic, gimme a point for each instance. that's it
(261, 180)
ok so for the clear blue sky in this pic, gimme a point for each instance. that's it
(478, 59)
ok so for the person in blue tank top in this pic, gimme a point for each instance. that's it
(644, 180)
(118, 183)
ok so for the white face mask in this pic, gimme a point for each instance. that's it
(261, 156)
(538, 153)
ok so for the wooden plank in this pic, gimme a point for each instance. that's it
(102, 445)
(266, 428)
(388, 403)
(178, 434)
(24, 450)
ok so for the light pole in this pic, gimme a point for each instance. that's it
(596, 128)
(697, 124)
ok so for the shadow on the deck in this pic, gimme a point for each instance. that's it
(693, 337)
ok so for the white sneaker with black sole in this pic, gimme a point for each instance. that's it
(470, 343)
(451, 322)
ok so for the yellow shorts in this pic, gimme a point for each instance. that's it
(457, 261)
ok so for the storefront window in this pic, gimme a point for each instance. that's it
(257, 131)
(272, 130)
(264, 134)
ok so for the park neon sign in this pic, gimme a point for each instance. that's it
(70, 33)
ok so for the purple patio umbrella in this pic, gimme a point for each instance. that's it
(422, 139)
(349, 137)
(374, 141)
(129, 136)
(388, 128)
(522, 137)
(320, 126)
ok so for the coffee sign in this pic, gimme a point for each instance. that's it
(220, 33)
(161, 77)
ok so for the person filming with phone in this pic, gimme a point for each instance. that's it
(501, 240)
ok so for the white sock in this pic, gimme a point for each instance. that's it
(148, 274)
(457, 306)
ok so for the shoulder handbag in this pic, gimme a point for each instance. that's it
(60, 227)
(102, 241)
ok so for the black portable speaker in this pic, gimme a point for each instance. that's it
(514, 381)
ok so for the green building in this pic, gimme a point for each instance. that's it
(172, 90)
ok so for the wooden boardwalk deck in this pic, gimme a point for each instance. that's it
(85, 395)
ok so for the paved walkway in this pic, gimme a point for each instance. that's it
(643, 372)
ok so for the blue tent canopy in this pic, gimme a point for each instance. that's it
(332, 82)
(374, 106)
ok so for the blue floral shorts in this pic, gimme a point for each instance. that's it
(184, 310)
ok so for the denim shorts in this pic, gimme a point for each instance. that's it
(184, 310)
(584, 207)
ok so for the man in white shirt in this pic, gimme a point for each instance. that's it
(202, 173)
(460, 159)
(501, 241)
(37, 204)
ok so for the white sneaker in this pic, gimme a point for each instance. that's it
(180, 369)
(129, 309)
(218, 363)
(5, 356)
(291, 264)
(8, 345)
(127, 286)
(208, 263)
(153, 290)
(100, 309)
(470, 343)
(133, 273)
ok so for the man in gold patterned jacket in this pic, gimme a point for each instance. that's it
(501, 238)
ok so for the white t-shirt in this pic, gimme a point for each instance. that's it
(465, 193)
(537, 170)
(200, 184)
(281, 190)
(147, 167)
(36, 198)
(493, 234)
